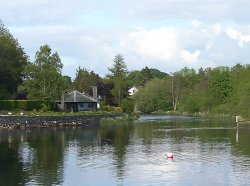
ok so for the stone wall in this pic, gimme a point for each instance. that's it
(44, 121)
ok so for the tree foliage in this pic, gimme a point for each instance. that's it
(221, 85)
(44, 80)
(220, 90)
(104, 90)
(140, 78)
(85, 79)
(12, 62)
(117, 75)
(154, 96)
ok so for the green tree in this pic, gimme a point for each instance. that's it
(44, 80)
(175, 87)
(12, 63)
(221, 84)
(154, 96)
(240, 97)
(117, 76)
(135, 78)
(85, 79)
(147, 75)
(140, 78)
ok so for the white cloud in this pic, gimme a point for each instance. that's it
(172, 33)
(205, 10)
(196, 24)
(158, 44)
(210, 32)
(190, 57)
(238, 36)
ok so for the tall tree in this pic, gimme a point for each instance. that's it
(140, 78)
(176, 86)
(85, 79)
(44, 80)
(12, 62)
(147, 75)
(154, 96)
(104, 90)
(118, 75)
(221, 84)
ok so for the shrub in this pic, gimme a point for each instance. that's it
(128, 106)
(112, 109)
(26, 105)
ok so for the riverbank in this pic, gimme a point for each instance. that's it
(45, 121)
(199, 114)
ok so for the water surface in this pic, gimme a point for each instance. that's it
(206, 152)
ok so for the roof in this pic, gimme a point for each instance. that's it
(76, 96)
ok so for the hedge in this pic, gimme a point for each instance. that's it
(25, 105)
(112, 109)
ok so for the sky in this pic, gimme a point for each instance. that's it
(164, 34)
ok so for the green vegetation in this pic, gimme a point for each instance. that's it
(43, 77)
(117, 76)
(111, 109)
(85, 79)
(24, 105)
(141, 77)
(12, 62)
(218, 91)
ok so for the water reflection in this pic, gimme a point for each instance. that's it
(206, 152)
(118, 138)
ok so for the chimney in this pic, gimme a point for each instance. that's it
(94, 90)
(62, 100)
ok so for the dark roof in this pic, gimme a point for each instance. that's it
(76, 96)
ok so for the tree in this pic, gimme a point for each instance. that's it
(140, 78)
(85, 79)
(221, 84)
(154, 96)
(147, 75)
(12, 62)
(240, 96)
(44, 80)
(117, 76)
(135, 78)
(175, 88)
(104, 90)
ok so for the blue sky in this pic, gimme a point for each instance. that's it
(164, 34)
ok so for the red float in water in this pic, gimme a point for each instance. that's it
(170, 155)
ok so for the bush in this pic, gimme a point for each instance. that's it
(128, 106)
(112, 109)
(25, 105)
(190, 103)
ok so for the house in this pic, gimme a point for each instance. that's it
(132, 91)
(76, 101)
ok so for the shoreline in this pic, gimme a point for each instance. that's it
(46, 121)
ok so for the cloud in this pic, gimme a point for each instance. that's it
(190, 57)
(156, 43)
(205, 10)
(172, 48)
(167, 35)
(77, 46)
(167, 48)
(238, 36)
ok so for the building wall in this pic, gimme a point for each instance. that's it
(86, 107)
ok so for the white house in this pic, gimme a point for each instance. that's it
(132, 91)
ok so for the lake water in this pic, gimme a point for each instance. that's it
(206, 152)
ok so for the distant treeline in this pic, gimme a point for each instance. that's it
(220, 90)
